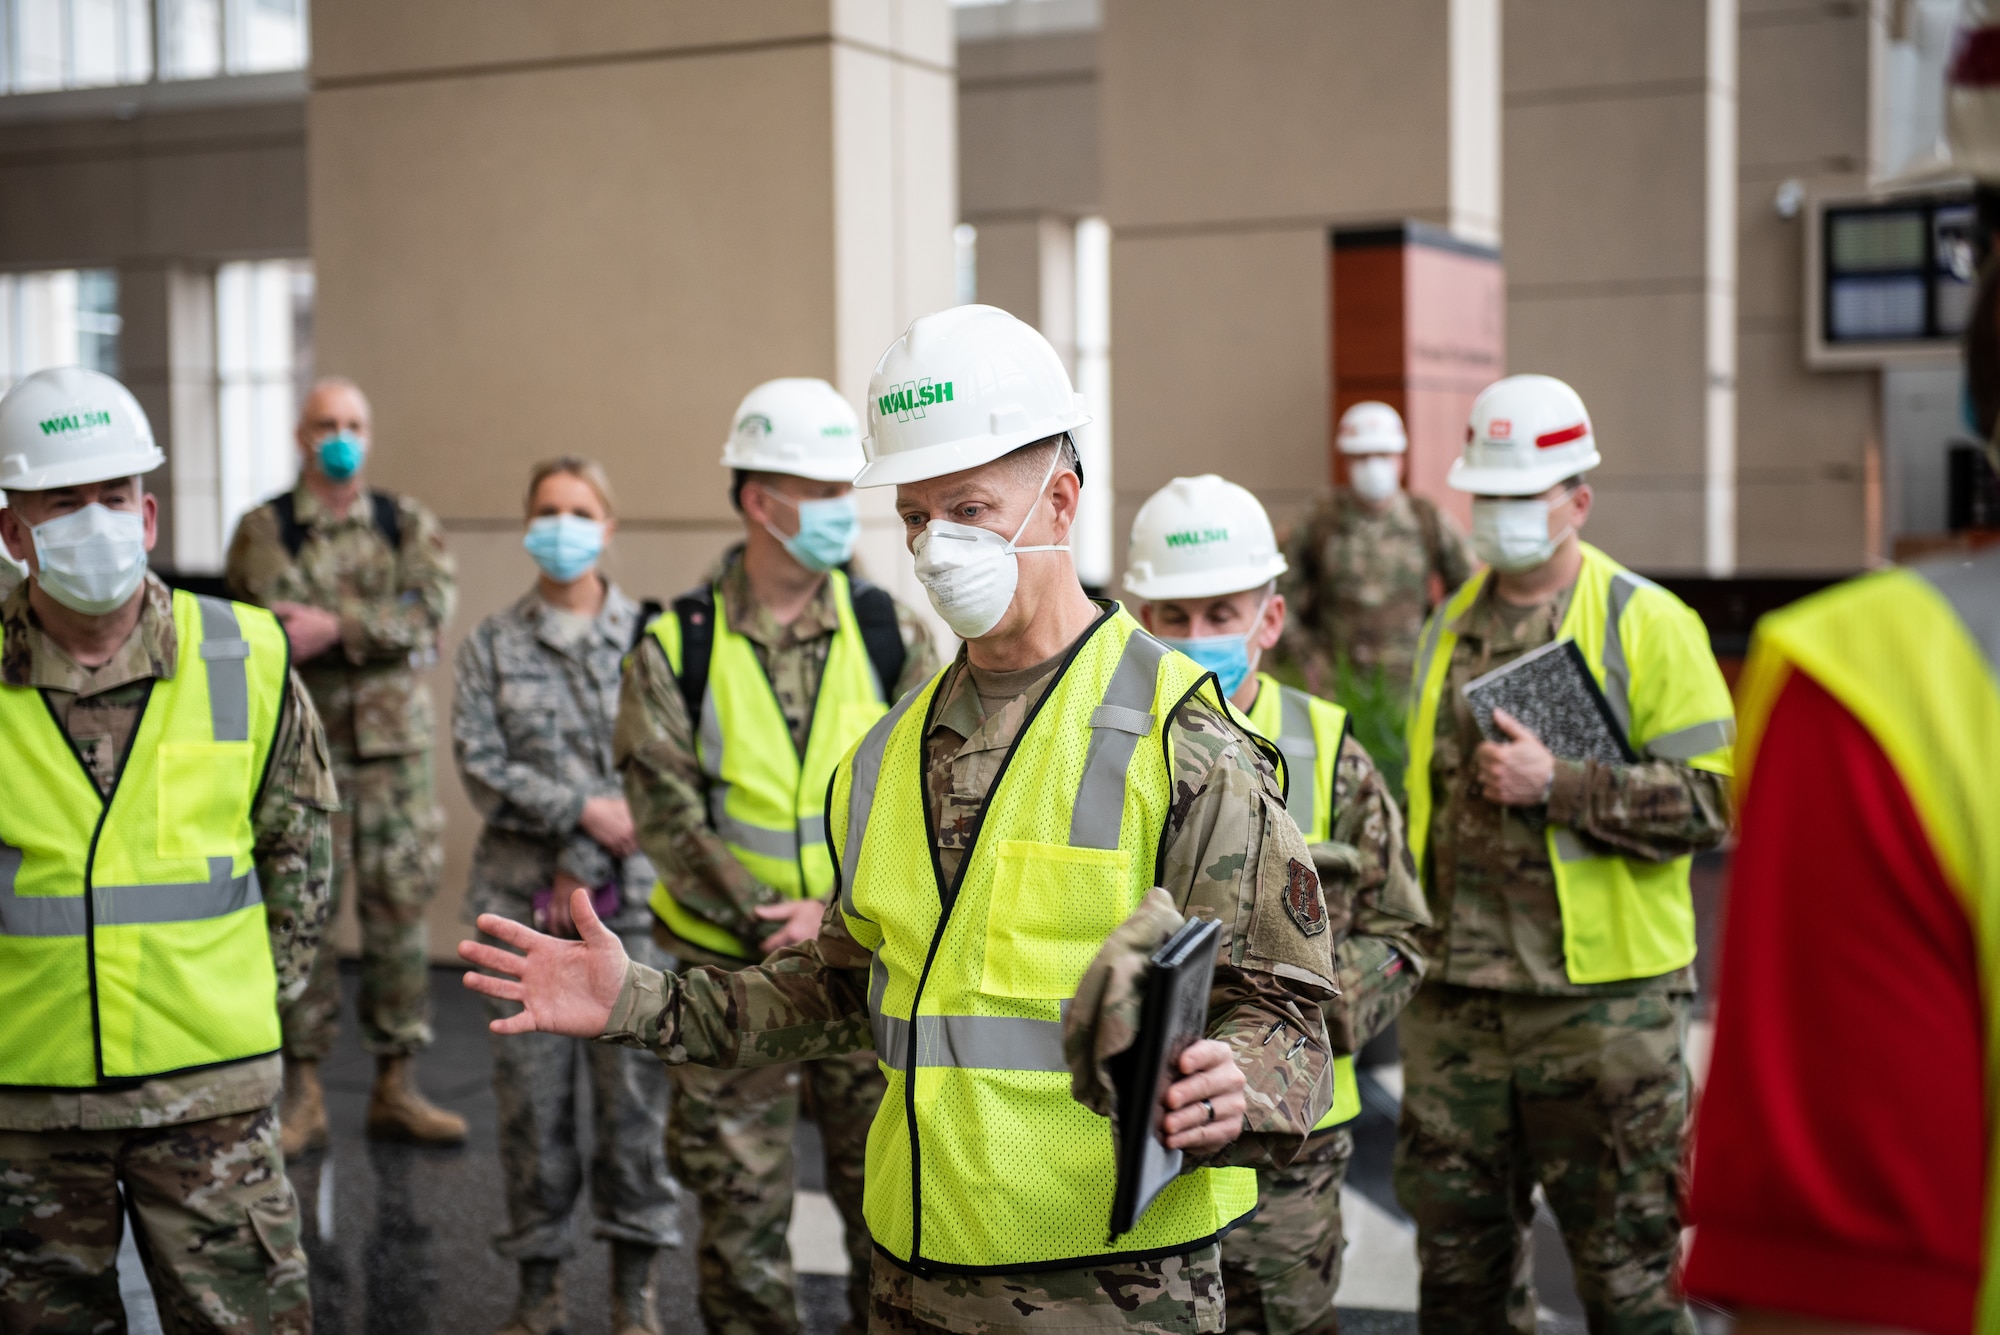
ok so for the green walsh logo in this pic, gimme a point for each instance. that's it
(754, 424)
(76, 421)
(1197, 537)
(911, 398)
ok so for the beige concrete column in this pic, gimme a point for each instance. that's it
(166, 353)
(1233, 137)
(544, 228)
(1621, 257)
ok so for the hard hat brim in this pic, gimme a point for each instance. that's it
(1203, 583)
(921, 465)
(1516, 481)
(77, 472)
(824, 472)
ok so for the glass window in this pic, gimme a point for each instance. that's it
(51, 44)
(263, 361)
(67, 317)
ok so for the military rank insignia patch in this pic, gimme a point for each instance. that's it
(1302, 899)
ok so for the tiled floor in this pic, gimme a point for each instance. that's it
(399, 1237)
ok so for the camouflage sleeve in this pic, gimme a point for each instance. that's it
(1455, 559)
(1376, 908)
(426, 591)
(1233, 854)
(804, 1002)
(507, 795)
(1657, 810)
(920, 654)
(256, 558)
(1300, 584)
(294, 840)
(653, 746)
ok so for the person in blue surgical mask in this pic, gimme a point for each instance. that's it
(531, 729)
(1204, 563)
(737, 704)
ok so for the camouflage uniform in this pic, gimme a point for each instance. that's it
(1513, 1075)
(1231, 852)
(730, 1137)
(1282, 1268)
(536, 697)
(196, 1153)
(378, 722)
(1360, 583)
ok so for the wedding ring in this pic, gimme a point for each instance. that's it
(1211, 1110)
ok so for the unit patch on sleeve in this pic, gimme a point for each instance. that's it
(1302, 898)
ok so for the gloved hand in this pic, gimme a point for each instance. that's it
(1103, 1020)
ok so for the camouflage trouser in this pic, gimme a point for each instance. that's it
(1281, 1270)
(1587, 1096)
(388, 831)
(1170, 1295)
(730, 1141)
(217, 1227)
(534, 1082)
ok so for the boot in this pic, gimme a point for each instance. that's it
(539, 1308)
(302, 1111)
(633, 1310)
(396, 1111)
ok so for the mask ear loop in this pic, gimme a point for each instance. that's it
(1040, 491)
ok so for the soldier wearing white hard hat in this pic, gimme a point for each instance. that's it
(1546, 1045)
(164, 877)
(992, 833)
(1204, 560)
(734, 710)
(1370, 560)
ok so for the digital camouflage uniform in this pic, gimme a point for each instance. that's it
(1282, 1268)
(537, 695)
(1231, 853)
(196, 1153)
(378, 723)
(1512, 1074)
(1360, 584)
(730, 1137)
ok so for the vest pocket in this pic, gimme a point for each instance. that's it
(204, 787)
(1051, 908)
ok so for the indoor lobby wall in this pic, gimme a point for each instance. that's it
(1232, 138)
(543, 228)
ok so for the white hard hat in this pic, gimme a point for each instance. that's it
(959, 389)
(1371, 428)
(68, 426)
(1527, 433)
(798, 426)
(1200, 537)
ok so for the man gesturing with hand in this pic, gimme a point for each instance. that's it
(989, 834)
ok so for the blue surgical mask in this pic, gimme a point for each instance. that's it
(340, 456)
(565, 546)
(827, 532)
(1227, 656)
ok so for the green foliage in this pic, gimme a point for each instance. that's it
(1375, 705)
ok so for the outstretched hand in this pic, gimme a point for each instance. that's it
(564, 987)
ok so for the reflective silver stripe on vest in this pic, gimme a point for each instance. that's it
(982, 1042)
(867, 769)
(1570, 848)
(1973, 590)
(1617, 674)
(1116, 725)
(225, 653)
(1300, 745)
(123, 905)
(780, 844)
(1697, 739)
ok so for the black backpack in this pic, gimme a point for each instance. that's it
(388, 521)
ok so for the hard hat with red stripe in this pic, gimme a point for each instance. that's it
(1972, 92)
(1527, 433)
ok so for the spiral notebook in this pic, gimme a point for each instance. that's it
(1552, 693)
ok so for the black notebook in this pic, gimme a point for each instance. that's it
(1550, 691)
(1173, 1014)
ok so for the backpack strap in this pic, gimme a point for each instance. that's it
(383, 513)
(875, 617)
(649, 612)
(695, 610)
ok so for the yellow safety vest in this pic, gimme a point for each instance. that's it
(1914, 656)
(1307, 732)
(980, 1159)
(766, 801)
(132, 934)
(1621, 917)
